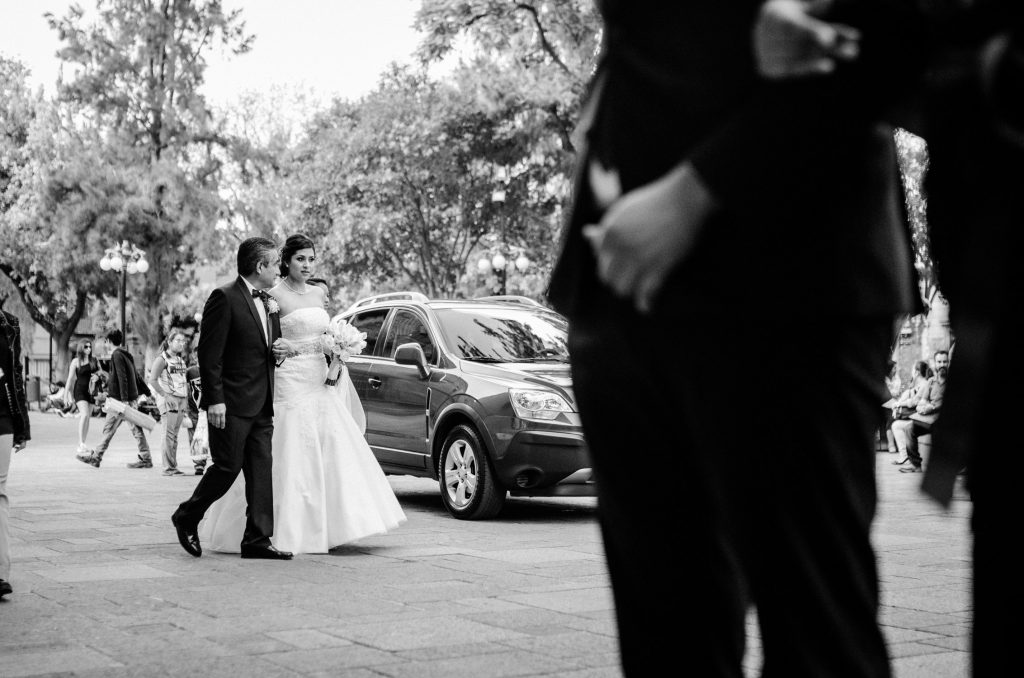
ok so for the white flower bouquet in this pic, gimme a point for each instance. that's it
(341, 341)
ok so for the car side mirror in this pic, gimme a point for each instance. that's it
(412, 354)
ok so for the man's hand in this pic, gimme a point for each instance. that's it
(282, 348)
(649, 230)
(791, 40)
(216, 415)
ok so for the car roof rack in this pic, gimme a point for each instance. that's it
(390, 296)
(513, 298)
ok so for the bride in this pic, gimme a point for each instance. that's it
(328, 488)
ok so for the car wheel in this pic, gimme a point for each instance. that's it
(469, 489)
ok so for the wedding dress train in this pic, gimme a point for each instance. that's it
(328, 488)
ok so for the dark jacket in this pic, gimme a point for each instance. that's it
(236, 365)
(124, 383)
(12, 385)
(811, 213)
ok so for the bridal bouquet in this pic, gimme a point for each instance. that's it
(342, 341)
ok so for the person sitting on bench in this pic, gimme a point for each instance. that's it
(907, 431)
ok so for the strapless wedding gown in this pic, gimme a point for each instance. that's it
(328, 488)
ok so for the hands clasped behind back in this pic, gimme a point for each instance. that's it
(647, 231)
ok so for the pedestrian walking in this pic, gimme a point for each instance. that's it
(85, 377)
(125, 385)
(15, 430)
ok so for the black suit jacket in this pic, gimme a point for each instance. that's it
(811, 218)
(236, 365)
(124, 384)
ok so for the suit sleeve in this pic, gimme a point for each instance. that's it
(783, 138)
(213, 337)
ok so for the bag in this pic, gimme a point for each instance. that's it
(200, 447)
(903, 412)
(94, 385)
(114, 406)
(924, 420)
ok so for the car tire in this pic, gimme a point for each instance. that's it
(469, 488)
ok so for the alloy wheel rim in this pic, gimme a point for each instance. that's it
(460, 473)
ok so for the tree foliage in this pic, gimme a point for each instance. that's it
(137, 73)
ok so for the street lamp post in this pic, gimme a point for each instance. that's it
(498, 263)
(126, 259)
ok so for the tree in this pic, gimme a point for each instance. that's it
(912, 153)
(138, 72)
(548, 47)
(45, 270)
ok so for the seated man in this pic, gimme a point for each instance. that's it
(907, 431)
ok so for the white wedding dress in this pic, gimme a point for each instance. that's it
(328, 488)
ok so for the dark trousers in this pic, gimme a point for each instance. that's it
(242, 446)
(710, 502)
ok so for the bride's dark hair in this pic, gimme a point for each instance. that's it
(293, 244)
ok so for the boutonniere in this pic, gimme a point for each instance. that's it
(272, 306)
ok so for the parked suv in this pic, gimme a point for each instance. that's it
(473, 393)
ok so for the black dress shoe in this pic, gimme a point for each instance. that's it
(5, 588)
(265, 552)
(188, 537)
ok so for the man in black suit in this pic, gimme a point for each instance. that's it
(969, 110)
(717, 217)
(236, 364)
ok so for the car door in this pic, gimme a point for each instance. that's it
(371, 322)
(396, 400)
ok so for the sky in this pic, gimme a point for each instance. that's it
(335, 47)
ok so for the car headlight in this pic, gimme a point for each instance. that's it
(543, 405)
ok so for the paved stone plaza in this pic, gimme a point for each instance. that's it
(102, 587)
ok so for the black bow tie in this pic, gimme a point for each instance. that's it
(262, 294)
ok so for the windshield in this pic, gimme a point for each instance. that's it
(505, 335)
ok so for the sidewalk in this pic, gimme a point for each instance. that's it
(102, 587)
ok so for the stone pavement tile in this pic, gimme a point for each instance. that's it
(193, 666)
(918, 619)
(27, 552)
(248, 643)
(308, 639)
(564, 645)
(17, 664)
(523, 617)
(437, 591)
(466, 649)
(940, 665)
(895, 635)
(535, 555)
(492, 665)
(342, 607)
(349, 673)
(271, 620)
(113, 571)
(602, 624)
(487, 604)
(71, 556)
(939, 599)
(336, 658)
(403, 634)
(567, 601)
(604, 671)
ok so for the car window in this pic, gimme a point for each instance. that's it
(407, 327)
(371, 323)
(505, 334)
